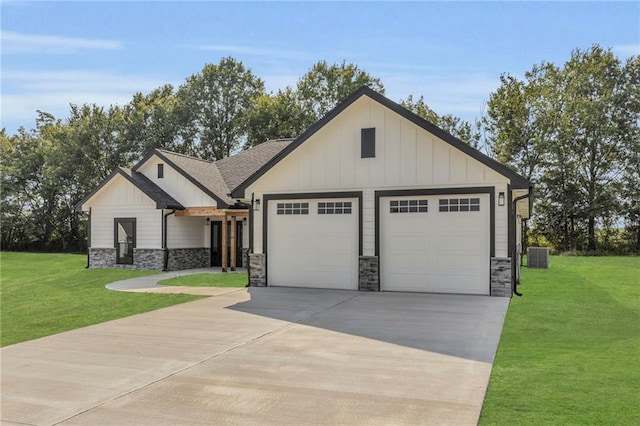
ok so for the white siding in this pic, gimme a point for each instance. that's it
(407, 157)
(121, 199)
(176, 185)
(186, 232)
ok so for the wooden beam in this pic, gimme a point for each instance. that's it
(224, 244)
(233, 243)
(210, 212)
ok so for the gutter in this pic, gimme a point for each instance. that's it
(164, 240)
(514, 254)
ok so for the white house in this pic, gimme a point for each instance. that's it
(372, 197)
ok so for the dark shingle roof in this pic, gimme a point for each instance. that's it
(236, 169)
(140, 181)
(204, 174)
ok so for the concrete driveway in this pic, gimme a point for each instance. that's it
(264, 356)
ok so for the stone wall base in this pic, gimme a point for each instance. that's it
(257, 270)
(368, 273)
(188, 258)
(501, 276)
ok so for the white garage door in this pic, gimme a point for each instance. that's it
(313, 243)
(435, 244)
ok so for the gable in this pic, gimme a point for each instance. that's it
(118, 191)
(406, 155)
(174, 182)
(395, 115)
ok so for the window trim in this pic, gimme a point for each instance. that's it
(122, 260)
(334, 207)
(368, 142)
(160, 170)
(292, 208)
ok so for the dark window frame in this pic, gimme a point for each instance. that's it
(160, 170)
(125, 259)
(335, 207)
(471, 204)
(292, 208)
(368, 143)
(409, 206)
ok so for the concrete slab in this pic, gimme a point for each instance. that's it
(265, 356)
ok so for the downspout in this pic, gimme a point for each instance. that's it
(514, 254)
(88, 239)
(250, 241)
(164, 240)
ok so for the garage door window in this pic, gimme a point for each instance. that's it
(408, 206)
(292, 208)
(338, 207)
(460, 205)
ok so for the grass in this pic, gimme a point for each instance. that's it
(44, 294)
(208, 280)
(570, 347)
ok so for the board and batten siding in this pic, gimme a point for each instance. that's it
(406, 157)
(120, 199)
(176, 184)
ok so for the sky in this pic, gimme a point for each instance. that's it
(54, 54)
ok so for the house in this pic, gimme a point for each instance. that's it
(371, 197)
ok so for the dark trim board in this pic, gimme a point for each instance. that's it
(438, 191)
(517, 181)
(304, 196)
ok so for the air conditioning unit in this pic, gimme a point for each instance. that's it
(538, 257)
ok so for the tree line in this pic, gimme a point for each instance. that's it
(573, 130)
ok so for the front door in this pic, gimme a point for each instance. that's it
(216, 243)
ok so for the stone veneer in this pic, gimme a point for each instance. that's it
(245, 257)
(142, 258)
(257, 275)
(368, 273)
(188, 258)
(178, 259)
(501, 276)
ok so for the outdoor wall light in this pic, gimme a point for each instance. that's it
(208, 220)
(256, 205)
(501, 199)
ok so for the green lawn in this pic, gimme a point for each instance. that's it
(232, 279)
(570, 348)
(43, 294)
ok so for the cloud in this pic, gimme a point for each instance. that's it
(14, 43)
(233, 49)
(632, 49)
(24, 92)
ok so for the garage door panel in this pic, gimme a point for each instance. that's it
(313, 250)
(435, 251)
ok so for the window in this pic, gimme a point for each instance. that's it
(292, 208)
(338, 207)
(460, 205)
(160, 171)
(408, 206)
(124, 240)
(368, 143)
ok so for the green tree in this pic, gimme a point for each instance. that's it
(462, 129)
(276, 116)
(212, 106)
(324, 86)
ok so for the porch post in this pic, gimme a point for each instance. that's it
(224, 243)
(233, 242)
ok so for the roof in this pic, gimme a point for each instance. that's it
(240, 167)
(218, 179)
(517, 181)
(143, 183)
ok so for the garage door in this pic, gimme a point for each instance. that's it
(435, 244)
(313, 243)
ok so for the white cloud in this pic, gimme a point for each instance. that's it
(24, 92)
(632, 49)
(272, 53)
(14, 42)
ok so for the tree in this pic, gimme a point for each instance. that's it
(324, 86)
(212, 106)
(276, 116)
(568, 128)
(459, 128)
